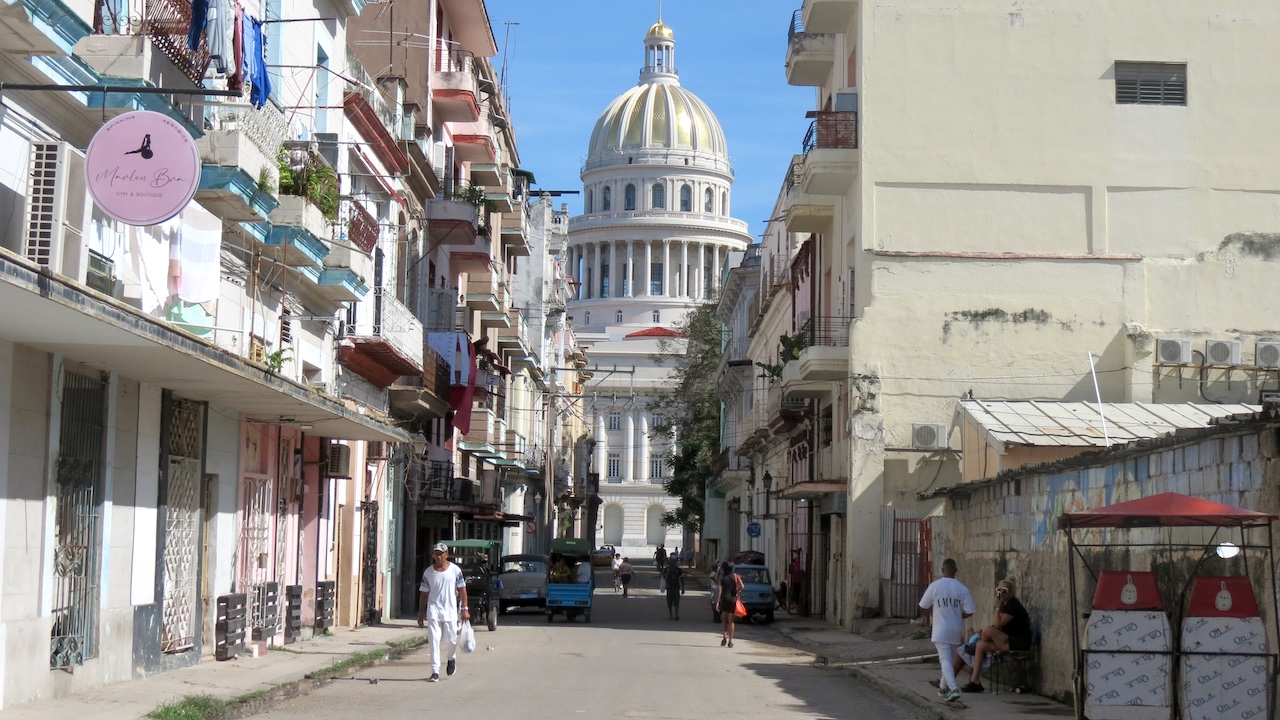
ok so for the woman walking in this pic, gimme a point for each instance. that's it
(728, 586)
(624, 575)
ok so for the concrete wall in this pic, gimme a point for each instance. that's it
(1009, 527)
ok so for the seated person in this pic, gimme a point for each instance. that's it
(560, 571)
(584, 573)
(1010, 632)
(964, 656)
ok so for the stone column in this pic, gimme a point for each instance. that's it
(715, 268)
(575, 268)
(700, 285)
(666, 268)
(629, 448)
(613, 269)
(602, 446)
(631, 268)
(643, 442)
(684, 268)
(597, 282)
(647, 275)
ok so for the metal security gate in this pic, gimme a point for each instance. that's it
(909, 567)
(77, 515)
(255, 571)
(369, 564)
(182, 526)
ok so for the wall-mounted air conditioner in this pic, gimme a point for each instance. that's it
(1267, 354)
(928, 436)
(57, 208)
(1222, 352)
(1173, 351)
(339, 464)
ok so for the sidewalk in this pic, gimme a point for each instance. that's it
(870, 655)
(224, 680)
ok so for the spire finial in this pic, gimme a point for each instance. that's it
(659, 10)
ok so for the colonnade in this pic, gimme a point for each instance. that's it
(630, 262)
(631, 447)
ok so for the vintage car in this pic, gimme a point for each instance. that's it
(757, 591)
(603, 556)
(524, 581)
(480, 561)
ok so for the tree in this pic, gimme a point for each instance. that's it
(691, 412)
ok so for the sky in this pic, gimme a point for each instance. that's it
(567, 60)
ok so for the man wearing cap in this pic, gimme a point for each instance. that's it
(442, 596)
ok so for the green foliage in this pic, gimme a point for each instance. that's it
(277, 359)
(267, 181)
(693, 406)
(789, 348)
(471, 194)
(191, 707)
(304, 174)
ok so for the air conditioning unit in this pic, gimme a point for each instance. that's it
(57, 208)
(1173, 351)
(928, 436)
(1222, 352)
(101, 274)
(379, 450)
(1267, 355)
(339, 465)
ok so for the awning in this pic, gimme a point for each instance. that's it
(812, 489)
(1167, 510)
(50, 314)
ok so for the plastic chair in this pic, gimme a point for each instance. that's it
(1017, 669)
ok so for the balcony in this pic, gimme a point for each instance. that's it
(810, 55)
(145, 40)
(470, 24)
(454, 87)
(830, 154)
(299, 233)
(824, 358)
(515, 336)
(423, 180)
(233, 161)
(829, 16)
(783, 413)
(489, 176)
(390, 348)
(475, 146)
(442, 308)
(424, 396)
(515, 234)
(803, 212)
(454, 217)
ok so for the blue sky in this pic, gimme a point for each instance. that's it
(567, 60)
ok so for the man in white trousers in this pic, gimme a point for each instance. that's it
(442, 597)
(950, 602)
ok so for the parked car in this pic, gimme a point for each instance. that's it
(524, 581)
(603, 556)
(480, 563)
(757, 591)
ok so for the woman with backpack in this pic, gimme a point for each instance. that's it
(728, 587)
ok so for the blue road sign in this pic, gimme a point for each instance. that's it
(753, 529)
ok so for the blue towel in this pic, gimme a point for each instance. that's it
(255, 62)
(199, 15)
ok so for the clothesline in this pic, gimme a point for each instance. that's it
(237, 44)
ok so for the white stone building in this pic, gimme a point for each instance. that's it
(648, 247)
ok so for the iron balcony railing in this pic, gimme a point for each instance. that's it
(832, 131)
(166, 22)
(826, 331)
(797, 24)
(394, 323)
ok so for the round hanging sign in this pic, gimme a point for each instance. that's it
(142, 167)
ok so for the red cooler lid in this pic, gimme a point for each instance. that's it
(1224, 597)
(1127, 590)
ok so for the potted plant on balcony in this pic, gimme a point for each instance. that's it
(789, 348)
(303, 174)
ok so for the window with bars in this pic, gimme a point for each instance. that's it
(1151, 83)
(659, 196)
(657, 468)
(615, 420)
(615, 466)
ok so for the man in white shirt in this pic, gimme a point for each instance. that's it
(442, 596)
(950, 602)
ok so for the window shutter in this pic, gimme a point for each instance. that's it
(1151, 83)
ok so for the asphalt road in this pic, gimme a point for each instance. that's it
(631, 661)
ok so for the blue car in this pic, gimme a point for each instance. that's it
(757, 592)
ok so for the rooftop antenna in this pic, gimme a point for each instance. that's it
(659, 10)
(506, 60)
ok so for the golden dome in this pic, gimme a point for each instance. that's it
(659, 31)
(656, 116)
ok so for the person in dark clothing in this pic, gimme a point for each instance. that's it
(1010, 632)
(728, 586)
(674, 578)
(660, 558)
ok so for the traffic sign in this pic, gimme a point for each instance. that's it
(753, 529)
(531, 526)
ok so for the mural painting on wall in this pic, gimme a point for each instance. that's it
(1082, 490)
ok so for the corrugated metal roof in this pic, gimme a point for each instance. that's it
(1077, 424)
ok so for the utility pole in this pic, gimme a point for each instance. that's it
(548, 470)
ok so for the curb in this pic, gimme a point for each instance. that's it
(936, 709)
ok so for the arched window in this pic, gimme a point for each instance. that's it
(657, 316)
(710, 203)
(686, 198)
(659, 196)
(591, 201)
(629, 198)
(607, 199)
(724, 203)
(617, 317)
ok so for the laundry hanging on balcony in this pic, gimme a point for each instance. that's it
(220, 33)
(255, 61)
(199, 18)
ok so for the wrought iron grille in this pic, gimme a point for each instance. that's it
(165, 21)
(182, 527)
(77, 514)
(369, 564)
(255, 545)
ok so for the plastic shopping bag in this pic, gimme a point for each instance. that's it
(467, 637)
(739, 609)
(662, 585)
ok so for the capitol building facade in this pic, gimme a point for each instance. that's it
(654, 234)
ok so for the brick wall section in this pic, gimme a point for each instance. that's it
(1008, 526)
